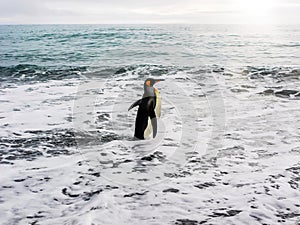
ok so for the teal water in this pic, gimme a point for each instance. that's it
(176, 45)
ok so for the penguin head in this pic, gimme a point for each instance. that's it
(150, 82)
(148, 86)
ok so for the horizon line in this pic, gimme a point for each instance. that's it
(177, 23)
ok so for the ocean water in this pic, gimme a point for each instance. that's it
(228, 143)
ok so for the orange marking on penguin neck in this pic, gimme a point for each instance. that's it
(148, 83)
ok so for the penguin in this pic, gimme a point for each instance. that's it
(149, 110)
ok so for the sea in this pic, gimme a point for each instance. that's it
(227, 149)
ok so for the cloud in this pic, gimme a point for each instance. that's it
(16, 7)
(130, 11)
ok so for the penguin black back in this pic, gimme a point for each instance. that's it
(146, 110)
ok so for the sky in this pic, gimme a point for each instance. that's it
(151, 11)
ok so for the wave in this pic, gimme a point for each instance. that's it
(277, 73)
(27, 73)
(40, 143)
(31, 73)
(35, 143)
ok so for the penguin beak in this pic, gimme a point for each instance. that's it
(158, 80)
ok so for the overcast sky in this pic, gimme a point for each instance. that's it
(150, 11)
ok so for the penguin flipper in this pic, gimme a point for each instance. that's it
(135, 104)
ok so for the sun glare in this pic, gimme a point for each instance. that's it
(257, 11)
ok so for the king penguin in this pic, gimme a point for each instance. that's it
(149, 110)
